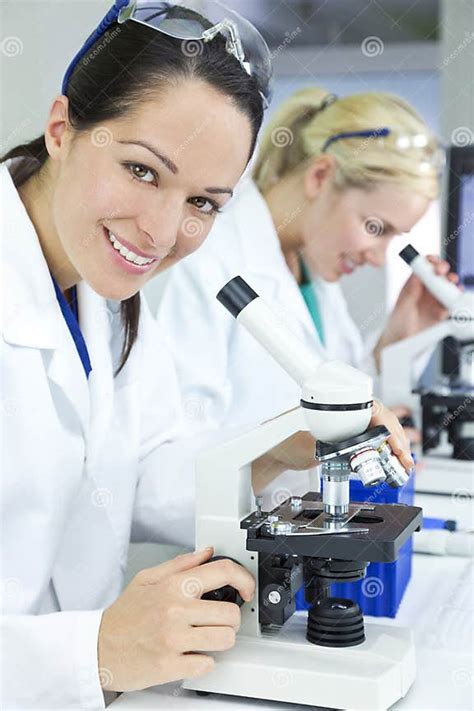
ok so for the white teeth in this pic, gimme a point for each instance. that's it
(127, 253)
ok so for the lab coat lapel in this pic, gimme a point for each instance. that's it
(95, 321)
(265, 260)
(32, 317)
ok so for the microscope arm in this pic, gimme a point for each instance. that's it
(224, 472)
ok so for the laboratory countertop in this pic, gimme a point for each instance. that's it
(438, 606)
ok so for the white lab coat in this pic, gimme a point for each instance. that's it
(86, 466)
(224, 374)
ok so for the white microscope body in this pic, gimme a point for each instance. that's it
(397, 379)
(279, 663)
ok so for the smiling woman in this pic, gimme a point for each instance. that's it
(156, 122)
(150, 159)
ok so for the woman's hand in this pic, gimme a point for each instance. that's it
(404, 414)
(416, 308)
(156, 631)
(298, 451)
(398, 440)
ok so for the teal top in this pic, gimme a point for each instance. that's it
(311, 299)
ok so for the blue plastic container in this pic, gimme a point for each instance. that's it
(381, 591)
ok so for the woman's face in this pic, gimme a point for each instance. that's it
(341, 231)
(134, 195)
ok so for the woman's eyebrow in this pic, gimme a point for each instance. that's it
(164, 159)
(170, 165)
(219, 190)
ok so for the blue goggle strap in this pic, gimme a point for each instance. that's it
(374, 133)
(106, 22)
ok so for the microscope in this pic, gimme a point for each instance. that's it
(447, 407)
(330, 657)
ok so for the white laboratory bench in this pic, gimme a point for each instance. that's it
(438, 606)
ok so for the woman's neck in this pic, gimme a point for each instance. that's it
(286, 216)
(37, 193)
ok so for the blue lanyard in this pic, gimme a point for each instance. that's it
(71, 316)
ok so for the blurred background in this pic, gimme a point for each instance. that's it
(422, 50)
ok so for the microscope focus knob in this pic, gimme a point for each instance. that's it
(226, 593)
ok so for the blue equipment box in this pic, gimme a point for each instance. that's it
(381, 591)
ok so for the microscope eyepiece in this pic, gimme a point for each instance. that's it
(409, 253)
(236, 295)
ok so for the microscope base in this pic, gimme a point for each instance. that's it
(283, 666)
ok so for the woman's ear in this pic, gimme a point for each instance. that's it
(57, 132)
(318, 174)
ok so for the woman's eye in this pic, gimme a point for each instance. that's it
(142, 173)
(208, 207)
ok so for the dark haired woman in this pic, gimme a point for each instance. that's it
(156, 122)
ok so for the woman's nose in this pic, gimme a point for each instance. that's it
(161, 224)
(375, 256)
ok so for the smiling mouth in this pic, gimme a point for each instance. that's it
(128, 254)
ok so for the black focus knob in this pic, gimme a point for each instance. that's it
(226, 593)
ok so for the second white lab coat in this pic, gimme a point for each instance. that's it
(225, 375)
(87, 466)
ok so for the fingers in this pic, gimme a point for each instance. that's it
(413, 434)
(189, 666)
(442, 267)
(148, 576)
(217, 574)
(208, 613)
(402, 450)
(209, 639)
(398, 441)
(401, 411)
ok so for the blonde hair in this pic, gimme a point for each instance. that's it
(303, 124)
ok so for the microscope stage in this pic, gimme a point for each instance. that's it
(372, 533)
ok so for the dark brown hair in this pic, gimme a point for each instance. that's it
(101, 89)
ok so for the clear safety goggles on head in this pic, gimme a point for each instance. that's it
(206, 19)
(432, 157)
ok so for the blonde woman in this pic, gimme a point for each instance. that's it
(334, 181)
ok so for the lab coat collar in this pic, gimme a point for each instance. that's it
(30, 309)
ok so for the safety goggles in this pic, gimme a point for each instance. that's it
(192, 21)
(432, 157)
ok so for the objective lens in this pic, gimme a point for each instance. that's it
(367, 465)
